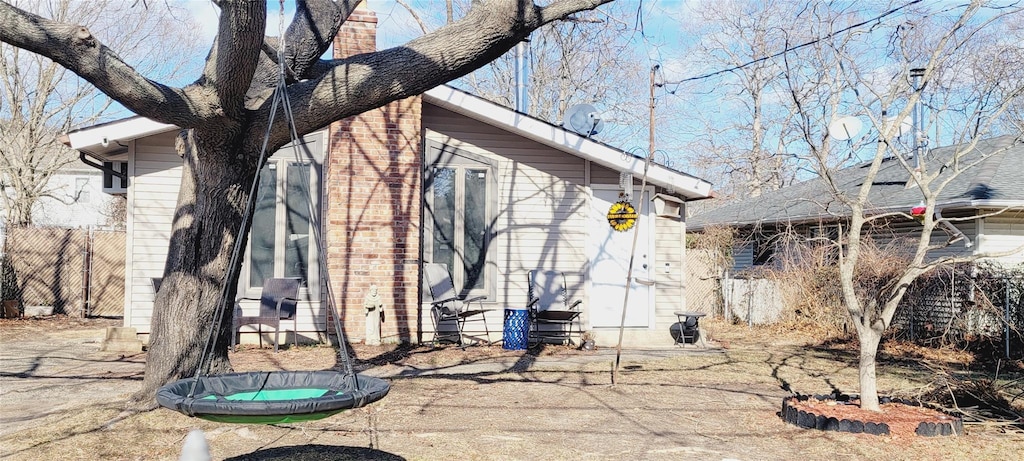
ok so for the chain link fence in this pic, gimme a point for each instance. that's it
(703, 282)
(54, 270)
(958, 303)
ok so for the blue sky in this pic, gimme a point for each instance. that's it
(660, 19)
(660, 32)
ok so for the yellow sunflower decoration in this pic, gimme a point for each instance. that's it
(622, 216)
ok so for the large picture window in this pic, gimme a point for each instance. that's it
(281, 241)
(461, 203)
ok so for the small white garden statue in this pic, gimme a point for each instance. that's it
(374, 316)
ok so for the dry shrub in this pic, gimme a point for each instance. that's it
(807, 273)
(878, 269)
(717, 241)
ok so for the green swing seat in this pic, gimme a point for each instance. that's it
(271, 397)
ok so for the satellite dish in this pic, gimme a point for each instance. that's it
(905, 126)
(584, 119)
(844, 128)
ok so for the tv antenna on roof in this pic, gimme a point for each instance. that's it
(583, 119)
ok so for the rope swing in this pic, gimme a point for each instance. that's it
(271, 397)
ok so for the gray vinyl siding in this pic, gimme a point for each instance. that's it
(1001, 234)
(892, 236)
(152, 196)
(541, 216)
(602, 175)
(904, 235)
(742, 257)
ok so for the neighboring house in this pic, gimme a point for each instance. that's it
(809, 210)
(443, 177)
(76, 199)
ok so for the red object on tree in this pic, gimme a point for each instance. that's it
(918, 211)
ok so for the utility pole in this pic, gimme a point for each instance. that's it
(632, 251)
(650, 145)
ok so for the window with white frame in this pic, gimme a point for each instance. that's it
(460, 207)
(281, 242)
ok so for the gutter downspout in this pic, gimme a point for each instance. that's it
(99, 166)
(958, 235)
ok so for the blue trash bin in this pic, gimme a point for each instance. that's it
(517, 328)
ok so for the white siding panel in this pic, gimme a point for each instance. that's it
(1002, 234)
(542, 223)
(152, 196)
(668, 268)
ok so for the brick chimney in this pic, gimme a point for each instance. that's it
(373, 209)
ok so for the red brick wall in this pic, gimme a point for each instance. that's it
(373, 214)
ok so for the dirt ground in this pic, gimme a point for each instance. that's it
(60, 398)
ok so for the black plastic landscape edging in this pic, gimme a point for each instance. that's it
(810, 420)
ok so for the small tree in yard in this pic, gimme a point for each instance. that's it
(224, 115)
(967, 79)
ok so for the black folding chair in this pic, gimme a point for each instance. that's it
(549, 305)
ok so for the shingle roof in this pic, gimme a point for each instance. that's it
(997, 180)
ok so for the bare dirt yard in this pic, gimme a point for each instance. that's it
(61, 398)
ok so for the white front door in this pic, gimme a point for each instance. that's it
(609, 253)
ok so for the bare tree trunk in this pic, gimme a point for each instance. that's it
(869, 339)
(211, 201)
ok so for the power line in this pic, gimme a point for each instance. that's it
(793, 48)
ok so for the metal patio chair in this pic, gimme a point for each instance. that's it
(447, 305)
(279, 301)
(549, 305)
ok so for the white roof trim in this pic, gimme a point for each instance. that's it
(93, 138)
(529, 127)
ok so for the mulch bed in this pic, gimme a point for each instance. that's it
(899, 419)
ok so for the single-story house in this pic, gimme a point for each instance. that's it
(986, 201)
(442, 177)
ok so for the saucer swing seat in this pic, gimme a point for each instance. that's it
(271, 397)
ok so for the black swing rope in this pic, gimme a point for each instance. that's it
(280, 97)
(271, 397)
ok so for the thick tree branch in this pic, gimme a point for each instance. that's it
(234, 56)
(75, 48)
(309, 35)
(363, 82)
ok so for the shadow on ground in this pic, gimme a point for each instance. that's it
(316, 453)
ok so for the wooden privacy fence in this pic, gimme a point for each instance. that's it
(713, 290)
(76, 272)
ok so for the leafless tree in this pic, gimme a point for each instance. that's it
(41, 99)
(589, 59)
(224, 115)
(944, 46)
(740, 131)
